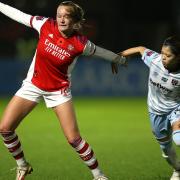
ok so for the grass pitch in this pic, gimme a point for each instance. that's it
(118, 129)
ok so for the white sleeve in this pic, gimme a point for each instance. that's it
(37, 22)
(92, 49)
(15, 14)
(149, 56)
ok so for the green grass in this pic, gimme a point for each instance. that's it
(118, 129)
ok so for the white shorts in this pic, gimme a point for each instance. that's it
(52, 99)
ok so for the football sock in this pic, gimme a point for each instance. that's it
(13, 144)
(169, 154)
(87, 155)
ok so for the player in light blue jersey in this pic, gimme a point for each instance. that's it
(164, 96)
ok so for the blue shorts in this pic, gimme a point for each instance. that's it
(161, 124)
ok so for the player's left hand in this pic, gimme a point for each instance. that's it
(123, 58)
(114, 68)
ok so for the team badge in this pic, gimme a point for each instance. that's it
(174, 82)
(70, 47)
(164, 79)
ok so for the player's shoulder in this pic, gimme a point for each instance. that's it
(50, 22)
(49, 25)
(80, 39)
(38, 19)
(153, 55)
(176, 75)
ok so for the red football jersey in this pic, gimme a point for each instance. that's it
(55, 55)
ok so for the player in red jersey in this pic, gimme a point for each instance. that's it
(48, 78)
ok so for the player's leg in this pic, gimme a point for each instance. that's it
(176, 132)
(174, 118)
(66, 115)
(169, 153)
(162, 131)
(16, 110)
(175, 123)
(20, 105)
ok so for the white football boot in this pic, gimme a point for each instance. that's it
(23, 171)
(102, 177)
(175, 175)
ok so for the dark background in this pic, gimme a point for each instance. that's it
(112, 24)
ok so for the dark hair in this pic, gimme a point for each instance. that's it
(77, 13)
(174, 44)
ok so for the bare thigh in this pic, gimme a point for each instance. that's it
(67, 118)
(15, 111)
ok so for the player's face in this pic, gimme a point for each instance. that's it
(65, 21)
(169, 60)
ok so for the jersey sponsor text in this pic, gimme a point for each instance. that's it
(160, 86)
(56, 50)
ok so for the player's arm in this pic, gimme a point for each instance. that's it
(125, 53)
(132, 51)
(109, 55)
(15, 14)
(93, 50)
(114, 58)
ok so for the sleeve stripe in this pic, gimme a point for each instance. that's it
(31, 20)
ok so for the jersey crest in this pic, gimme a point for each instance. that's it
(174, 82)
(70, 47)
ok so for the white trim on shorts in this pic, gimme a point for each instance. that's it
(31, 92)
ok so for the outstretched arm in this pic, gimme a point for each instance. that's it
(132, 51)
(109, 55)
(93, 50)
(127, 52)
(15, 14)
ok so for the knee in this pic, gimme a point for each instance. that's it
(165, 145)
(5, 132)
(176, 137)
(74, 141)
(4, 128)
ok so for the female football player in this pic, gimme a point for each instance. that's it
(164, 96)
(58, 48)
